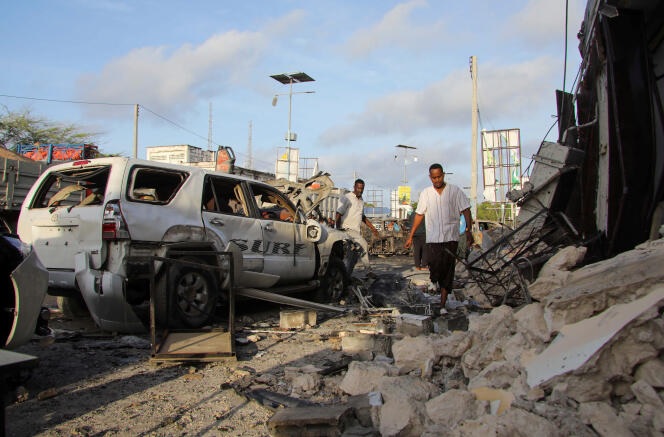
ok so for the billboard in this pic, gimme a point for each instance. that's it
(501, 163)
(287, 163)
(404, 194)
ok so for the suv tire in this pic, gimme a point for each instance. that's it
(333, 284)
(186, 296)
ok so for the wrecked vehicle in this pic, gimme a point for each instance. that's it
(23, 284)
(392, 234)
(89, 220)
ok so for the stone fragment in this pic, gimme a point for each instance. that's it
(364, 377)
(646, 394)
(500, 400)
(499, 375)
(531, 324)
(453, 345)
(357, 343)
(541, 288)
(451, 407)
(414, 324)
(564, 259)
(603, 419)
(410, 353)
(518, 422)
(306, 382)
(403, 411)
(652, 372)
(297, 319)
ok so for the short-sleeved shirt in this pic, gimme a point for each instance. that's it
(351, 209)
(441, 212)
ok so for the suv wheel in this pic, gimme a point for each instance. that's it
(333, 285)
(190, 293)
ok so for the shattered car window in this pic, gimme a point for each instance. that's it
(154, 185)
(73, 187)
(272, 205)
(224, 196)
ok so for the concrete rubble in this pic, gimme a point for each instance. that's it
(585, 358)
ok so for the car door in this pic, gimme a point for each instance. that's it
(227, 212)
(286, 251)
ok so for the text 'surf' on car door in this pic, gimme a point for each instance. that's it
(287, 252)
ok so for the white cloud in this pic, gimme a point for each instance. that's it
(542, 22)
(505, 92)
(395, 29)
(169, 80)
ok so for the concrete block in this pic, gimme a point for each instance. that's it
(414, 324)
(296, 319)
(365, 344)
(450, 323)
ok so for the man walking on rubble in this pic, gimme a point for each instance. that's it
(441, 204)
(350, 216)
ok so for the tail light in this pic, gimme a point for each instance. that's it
(114, 226)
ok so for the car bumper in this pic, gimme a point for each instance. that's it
(30, 280)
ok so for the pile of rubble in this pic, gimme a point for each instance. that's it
(584, 359)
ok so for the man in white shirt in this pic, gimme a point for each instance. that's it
(441, 204)
(350, 216)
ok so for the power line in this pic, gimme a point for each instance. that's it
(80, 102)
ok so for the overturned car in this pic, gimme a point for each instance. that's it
(90, 220)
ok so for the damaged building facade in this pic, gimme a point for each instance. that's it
(617, 193)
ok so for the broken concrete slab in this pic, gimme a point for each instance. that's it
(403, 412)
(647, 395)
(565, 259)
(362, 344)
(364, 377)
(652, 372)
(577, 342)
(603, 419)
(453, 406)
(595, 287)
(412, 353)
(530, 323)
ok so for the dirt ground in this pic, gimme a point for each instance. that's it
(92, 383)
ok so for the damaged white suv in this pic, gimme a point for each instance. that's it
(89, 220)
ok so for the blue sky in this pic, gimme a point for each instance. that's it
(386, 73)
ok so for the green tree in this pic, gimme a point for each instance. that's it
(26, 128)
(488, 211)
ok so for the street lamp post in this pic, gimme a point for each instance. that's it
(289, 79)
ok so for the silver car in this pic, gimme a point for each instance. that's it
(91, 220)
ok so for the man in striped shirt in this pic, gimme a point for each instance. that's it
(441, 204)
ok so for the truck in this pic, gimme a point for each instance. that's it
(21, 169)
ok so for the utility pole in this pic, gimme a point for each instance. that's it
(136, 131)
(473, 144)
(250, 163)
(210, 127)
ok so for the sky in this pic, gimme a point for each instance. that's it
(386, 73)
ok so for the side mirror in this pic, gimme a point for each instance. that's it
(314, 231)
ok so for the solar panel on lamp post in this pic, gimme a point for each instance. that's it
(290, 79)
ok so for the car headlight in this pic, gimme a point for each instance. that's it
(312, 232)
